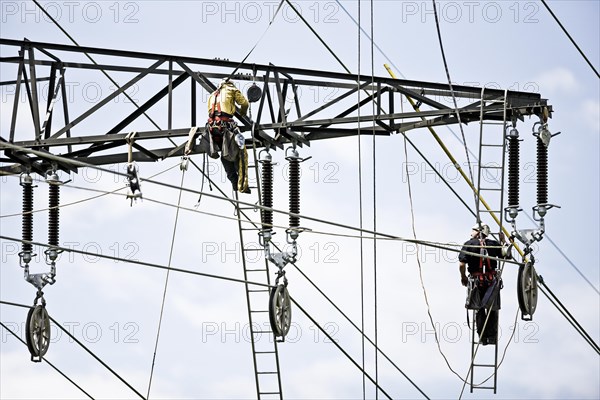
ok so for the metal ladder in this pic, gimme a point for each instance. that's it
(482, 365)
(264, 346)
(491, 147)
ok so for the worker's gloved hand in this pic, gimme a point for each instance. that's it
(464, 280)
(240, 140)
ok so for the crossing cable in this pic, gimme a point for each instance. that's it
(568, 316)
(63, 205)
(158, 266)
(259, 40)
(361, 331)
(78, 342)
(374, 152)
(335, 342)
(204, 174)
(255, 206)
(117, 86)
(462, 132)
(470, 152)
(412, 216)
(135, 262)
(48, 362)
(487, 318)
(162, 306)
(571, 38)
(437, 245)
(360, 209)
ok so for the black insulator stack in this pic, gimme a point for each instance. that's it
(54, 196)
(27, 185)
(294, 181)
(267, 194)
(542, 172)
(513, 171)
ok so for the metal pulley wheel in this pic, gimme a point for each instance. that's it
(254, 93)
(280, 310)
(37, 330)
(527, 290)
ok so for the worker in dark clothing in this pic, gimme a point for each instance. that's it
(222, 134)
(484, 285)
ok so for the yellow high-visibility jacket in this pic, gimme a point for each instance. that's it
(228, 96)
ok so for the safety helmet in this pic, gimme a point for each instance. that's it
(486, 230)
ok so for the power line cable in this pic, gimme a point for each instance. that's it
(164, 297)
(462, 133)
(374, 153)
(256, 206)
(47, 362)
(571, 38)
(81, 345)
(472, 155)
(360, 207)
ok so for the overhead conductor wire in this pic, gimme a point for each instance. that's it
(571, 38)
(374, 150)
(46, 360)
(67, 331)
(462, 132)
(360, 210)
(162, 305)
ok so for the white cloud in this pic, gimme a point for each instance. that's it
(558, 80)
(591, 115)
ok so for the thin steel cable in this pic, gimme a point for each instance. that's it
(135, 262)
(335, 342)
(259, 40)
(487, 318)
(412, 215)
(462, 132)
(196, 166)
(476, 160)
(571, 38)
(360, 211)
(257, 207)
(48, 362)
(79, 342)
(164, 297)
(374, 152)
(570, 316)
(63, 205)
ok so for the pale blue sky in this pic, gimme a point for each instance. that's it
(204, 351)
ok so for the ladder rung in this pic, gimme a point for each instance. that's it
(492, 123)
(254, 249)
(492, 167)
(267, 373)
(264, 352)
(258, 290)
(259, 311)
(490, 211)
(262, 332)
(251, 229)
(255, 270)
(484, 387)
(491, 145)
(485, 365)
(269, 393)
(491, 189)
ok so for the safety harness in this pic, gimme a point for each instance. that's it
(485, 273)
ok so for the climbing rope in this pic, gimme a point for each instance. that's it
(162, 306)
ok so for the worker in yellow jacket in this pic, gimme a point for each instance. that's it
(223, 133)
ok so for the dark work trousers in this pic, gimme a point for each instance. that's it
(491, 329)
(231, 168)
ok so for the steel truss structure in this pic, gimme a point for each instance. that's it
(273, 124)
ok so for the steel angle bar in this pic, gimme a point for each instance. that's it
(107, 99)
